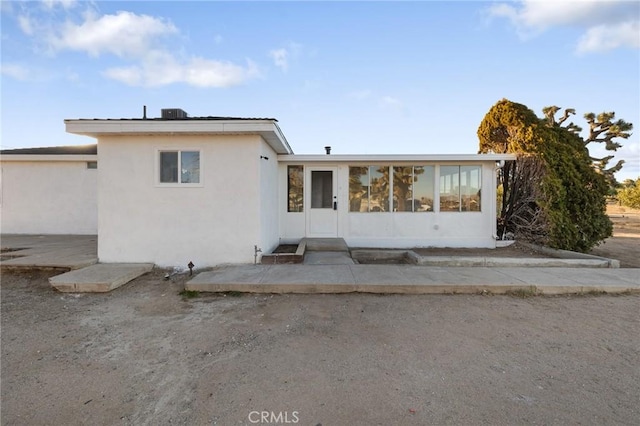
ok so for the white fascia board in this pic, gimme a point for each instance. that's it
(49, 157)
(277, 141)
(395, 158)
(268, 129)
(98, 128)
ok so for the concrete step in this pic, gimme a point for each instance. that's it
(99, 278)
(326, 244)
(328, 258)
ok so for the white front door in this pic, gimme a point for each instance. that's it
(322, 202)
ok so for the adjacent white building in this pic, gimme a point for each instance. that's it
(49, 190)
(212, 190)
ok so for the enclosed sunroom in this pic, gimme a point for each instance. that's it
(390, 201)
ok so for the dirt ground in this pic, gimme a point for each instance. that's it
(146, 355)
(625, 243)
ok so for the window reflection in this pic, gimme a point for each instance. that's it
(460, 188)
(295, 185)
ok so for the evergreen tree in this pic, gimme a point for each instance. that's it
(552, 194)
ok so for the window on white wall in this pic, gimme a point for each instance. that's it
(359, 189)
(413, 188)
(369, 189)
(470, 179)
(179, 167)
(295, 188)
(378, 188)
(460, 188)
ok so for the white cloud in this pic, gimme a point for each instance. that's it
(607, 24)
(280, 58)
(161, 68)
(15, 71)
(630, 153)
(24, 22)
(122, 34)
(602, 37)
(207, 73)
(134, 38)
(66, 4)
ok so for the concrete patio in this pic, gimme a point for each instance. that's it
(48, 251)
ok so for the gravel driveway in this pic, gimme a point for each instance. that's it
(144, 355)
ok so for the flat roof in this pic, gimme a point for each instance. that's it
(54, 150)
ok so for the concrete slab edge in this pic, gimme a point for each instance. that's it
(40, 266)
(483, 261)
(567, 254)
(524, 290)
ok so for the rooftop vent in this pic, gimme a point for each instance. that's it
(173, 113)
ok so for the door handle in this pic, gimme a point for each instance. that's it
(335, 205)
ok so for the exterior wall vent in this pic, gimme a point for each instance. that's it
(173, 113)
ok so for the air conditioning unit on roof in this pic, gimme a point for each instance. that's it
(173, 113)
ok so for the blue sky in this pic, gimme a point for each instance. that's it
(363, 77)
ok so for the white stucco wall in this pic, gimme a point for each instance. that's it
(48, 196)
(401, 229)
(269, 211)
(214, 223)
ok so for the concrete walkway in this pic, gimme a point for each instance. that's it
(326, 271)
(412, 279)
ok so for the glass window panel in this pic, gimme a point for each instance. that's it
(295, 188)
(169, 167)
(449, 188)
(403, 189)
(470, 184)
(379, 189)
(358, 189)
(423, 181)
(321, 189)
(190, 167)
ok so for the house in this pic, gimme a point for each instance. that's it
(50, 190)
(216, 190)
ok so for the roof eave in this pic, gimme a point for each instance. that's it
(388, 158)
(267, 129)
(48, 157)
